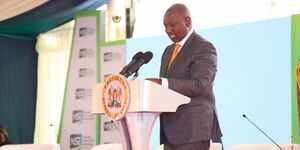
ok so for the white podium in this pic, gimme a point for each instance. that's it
(147, 101)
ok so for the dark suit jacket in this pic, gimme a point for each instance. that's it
(191, 74)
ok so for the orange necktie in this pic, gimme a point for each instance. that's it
(175, 52)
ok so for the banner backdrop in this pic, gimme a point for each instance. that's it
(79, 128)
(112, 61)
(295, 75)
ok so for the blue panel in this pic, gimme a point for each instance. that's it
(253, 78)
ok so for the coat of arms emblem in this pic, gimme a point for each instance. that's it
(115, 97)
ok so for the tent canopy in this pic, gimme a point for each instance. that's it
(44, 17)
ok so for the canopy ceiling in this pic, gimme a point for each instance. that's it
(11, 8)
(42, 15)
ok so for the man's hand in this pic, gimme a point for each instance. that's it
(156, 80)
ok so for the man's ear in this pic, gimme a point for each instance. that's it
(188, 21)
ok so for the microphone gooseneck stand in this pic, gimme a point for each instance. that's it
(262, 131)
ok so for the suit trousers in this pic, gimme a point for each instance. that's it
(202, 145)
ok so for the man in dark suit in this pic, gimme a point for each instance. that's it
(190, 72)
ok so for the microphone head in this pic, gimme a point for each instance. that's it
(148, 56)
(138, 56)
(244, 115)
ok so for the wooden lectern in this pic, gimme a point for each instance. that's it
(147, 101)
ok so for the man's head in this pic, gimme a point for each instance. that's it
(177, 22)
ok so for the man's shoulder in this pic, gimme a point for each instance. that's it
(200, 43)
(199, 38)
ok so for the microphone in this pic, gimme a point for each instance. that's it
(135, 58)
(262, 131)
(144, 60)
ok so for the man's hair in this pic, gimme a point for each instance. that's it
(180, 8)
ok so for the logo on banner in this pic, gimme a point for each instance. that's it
(75, 140)
(85, 72)
(84, 53)
(85, 31)
(77, 116)
(115, 97)
(112, 57)
(82, 93)
(82, 117)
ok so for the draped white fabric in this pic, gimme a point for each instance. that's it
(53, 47)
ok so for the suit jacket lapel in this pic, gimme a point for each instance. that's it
(183, 51)
(165, 62)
